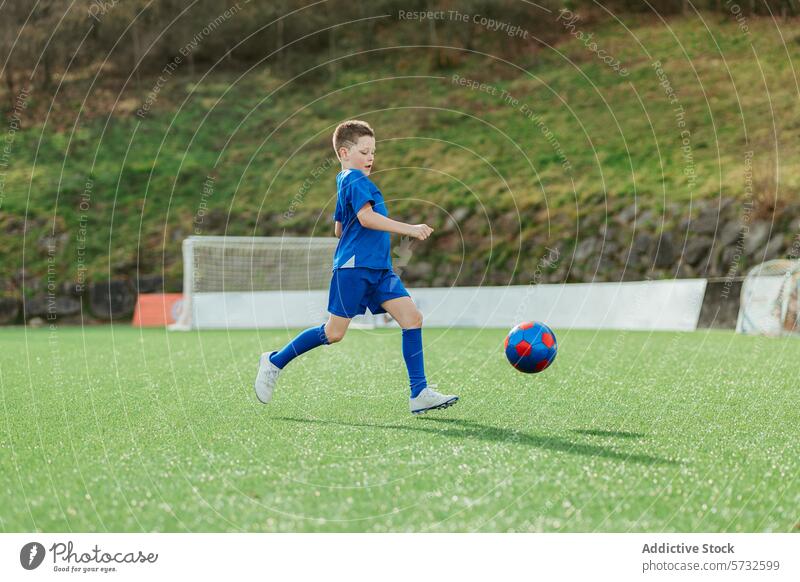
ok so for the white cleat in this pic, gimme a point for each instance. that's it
(430, 399)
(267, 378)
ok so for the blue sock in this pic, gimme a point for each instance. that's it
(307, 340)
(412, 354)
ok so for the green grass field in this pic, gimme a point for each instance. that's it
(125, 430)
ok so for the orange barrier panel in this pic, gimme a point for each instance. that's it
(157, 309)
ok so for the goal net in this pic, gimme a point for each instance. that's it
(769, 300)
(255, 282)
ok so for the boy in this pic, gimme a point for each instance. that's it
(362, 272)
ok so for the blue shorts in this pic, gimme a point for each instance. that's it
(353, 291)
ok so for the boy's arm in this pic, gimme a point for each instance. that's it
(337, 229)
(368, 218)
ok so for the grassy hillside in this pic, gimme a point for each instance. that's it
(567, 160)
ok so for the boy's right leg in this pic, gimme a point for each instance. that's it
(336, 327)
(306, 340)
(347, 290)
(329, 333)
(271, 364)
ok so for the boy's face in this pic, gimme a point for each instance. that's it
(360, 156)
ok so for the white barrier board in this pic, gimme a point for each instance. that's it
(672, 305)
(645, 305)
(260, 309)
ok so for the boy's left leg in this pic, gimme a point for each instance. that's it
(423, 398)
(404, 312)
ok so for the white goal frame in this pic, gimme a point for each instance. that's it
(241, 282)
(769, 299)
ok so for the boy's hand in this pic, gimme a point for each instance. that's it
(420, 231)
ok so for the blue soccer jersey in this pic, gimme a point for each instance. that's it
(359, 246)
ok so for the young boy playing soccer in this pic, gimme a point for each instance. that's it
(362, 272)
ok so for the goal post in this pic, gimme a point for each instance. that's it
(232, 282)
(769, 299)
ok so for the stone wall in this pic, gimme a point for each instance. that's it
(716, 239)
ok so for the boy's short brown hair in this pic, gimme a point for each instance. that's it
(348, 133)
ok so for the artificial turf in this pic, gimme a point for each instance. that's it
(120, 429)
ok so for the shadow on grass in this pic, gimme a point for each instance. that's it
(458, 428)
(609, 433)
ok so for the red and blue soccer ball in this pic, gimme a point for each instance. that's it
(531, 347)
